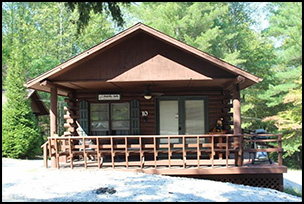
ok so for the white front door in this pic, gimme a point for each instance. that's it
(182, 115)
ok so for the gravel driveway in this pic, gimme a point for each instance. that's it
(27, 180)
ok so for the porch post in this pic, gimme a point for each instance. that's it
(237, 122)
(53, 120)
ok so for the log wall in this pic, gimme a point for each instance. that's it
(219, 104)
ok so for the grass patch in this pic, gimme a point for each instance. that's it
(293, 191)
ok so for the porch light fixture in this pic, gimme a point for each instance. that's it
(147, 97)
(147, 94)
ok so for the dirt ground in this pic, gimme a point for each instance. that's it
(27, 180)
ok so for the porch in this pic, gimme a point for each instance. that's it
(209, 151)
(225, 157)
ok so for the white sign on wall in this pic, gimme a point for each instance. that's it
(108, 97)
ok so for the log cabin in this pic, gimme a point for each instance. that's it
(143, 101)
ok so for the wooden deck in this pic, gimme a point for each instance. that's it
(169, 154)
(221, 157)
(248, 168)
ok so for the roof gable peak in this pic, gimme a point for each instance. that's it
(152, 32)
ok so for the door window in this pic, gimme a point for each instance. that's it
(182, 115)
(194, 117)
(168, 117)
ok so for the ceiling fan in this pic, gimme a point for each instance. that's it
(148, 93)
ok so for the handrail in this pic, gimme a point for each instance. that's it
(45, 149)
(145, 136)
(207, 144)
(252, 138)
(46, 143)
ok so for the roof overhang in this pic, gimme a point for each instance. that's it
(44, 82)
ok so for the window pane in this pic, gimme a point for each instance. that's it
(99, 107)
(100, 125)
(195, 120)
(99, 111)
(120, 116)
(120, 111)
(121, 125)
(99, 114)
(168, 117)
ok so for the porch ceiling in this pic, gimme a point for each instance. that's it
(140, 86)
(134, 86)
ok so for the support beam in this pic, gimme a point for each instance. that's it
(53, 112)
(237, 122)
(52, 85)
(53, 121)
(236, 110)
(230, 85)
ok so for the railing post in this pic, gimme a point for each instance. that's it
(198, 151)
(155, 153)
(126, 152)
(45, 155)
(84, 152)
(280, 154)
(98, 152)
(240, 153)
(212, 151)
(52, 152)
(169, 151)
(184, 152)
(112, 152)
(227, 151)
(56, 154)
(71, 153)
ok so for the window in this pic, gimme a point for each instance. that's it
(99, 117)
(120, 116)
(104, 119)
(194, 117)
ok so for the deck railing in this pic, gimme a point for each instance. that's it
(158, 151)
(149, 150)
(254, 143)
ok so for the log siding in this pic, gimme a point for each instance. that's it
(218, 103)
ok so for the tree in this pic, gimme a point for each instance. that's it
(84, 9)
(285, 93)
(20, 133)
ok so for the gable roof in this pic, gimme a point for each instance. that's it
(66, 66)
(37, 105)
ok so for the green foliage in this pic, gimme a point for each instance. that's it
(284, 94)
(20, 134)
(84, 9)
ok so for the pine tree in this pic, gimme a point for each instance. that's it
(20, 133)
(284, 95)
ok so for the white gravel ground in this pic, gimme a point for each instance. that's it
(27, 180)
